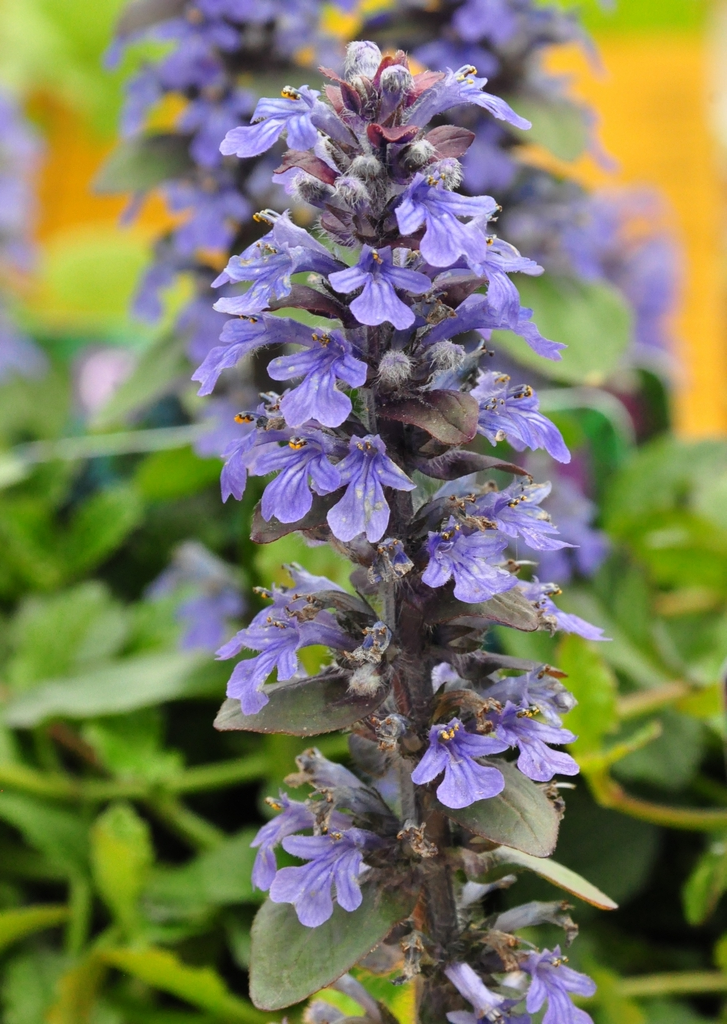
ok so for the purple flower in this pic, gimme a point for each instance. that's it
(461, 86)
(553, 981)
(445, 238)
(366, 470)
(334, 859)
(215, 216)
(291, 112)
(476, 313)
(466, 557)
(380, 276)
(538, 689)
(516, 727)
(288, 497)
(329, 357)
(269, 263)
(510, 413)
(495, 20)
(243, 336)
(485, 1003)
(294, 817)
(278, 636)
(210, 120)
(517, 514)
(216, 597)
(453, 750)
(555, 619)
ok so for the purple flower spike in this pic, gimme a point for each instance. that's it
(288, 497)
(466, 557)
(269, 263)
(446, 238)
(329, 357)
(290, 112)
(541, 595)
(484, 1003)
(294, 817)
(510, 413)
(366, 470)
(278, 636)
(334, 859)
(517, 727)
(553, 981)
(380, 276)
(452, 750)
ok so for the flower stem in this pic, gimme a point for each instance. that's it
(609, 793)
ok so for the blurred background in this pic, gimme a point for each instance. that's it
(125, 819)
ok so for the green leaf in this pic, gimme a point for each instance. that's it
(29, 985)
(165, 476)
(559, 875)
(61, 835)
(101, 525)
(594, 685)
(706, 884)
(672, 759)
(220, 877)
(306, 707)
(286, 971)
(449, 416)
(613, 1007)
(128, 684)
(200, 986)
(130, 745)
(21, 921)
(561, 126)
(591, 318)
(142, 163)
(521, 816)
(510, 608)
(68, 631)
(121, 857)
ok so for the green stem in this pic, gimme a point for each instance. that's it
(79, 922)
(644, 701)
(678, 983)
(597, 762)
(609, 793)
(190, 827)
(56, 785)
(90, 446)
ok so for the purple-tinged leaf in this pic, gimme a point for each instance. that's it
(290, 962)
(308, 162)
(262, 532)
(521, 817)
(450, 140)
(510, 608)
(306, 707)
(449, 416)
(379, 136)
(454, 464)
(303, 297)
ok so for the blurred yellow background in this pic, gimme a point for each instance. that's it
(658, 99)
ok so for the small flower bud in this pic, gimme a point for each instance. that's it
(445, 355)
(419, 154)
(365, 681)
(449, 172)
(352, 192)
(396, 81)
(366, 168)
(305, 188)
(394, 369)
(362, 58)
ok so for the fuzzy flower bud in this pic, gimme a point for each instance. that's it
(394, 369)
(419, 154)
(449, 172)
(352, 191)
(366, 168)
(305, 188)
(365, 681)
(362, 58)
(396, 80)
(446, 355)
